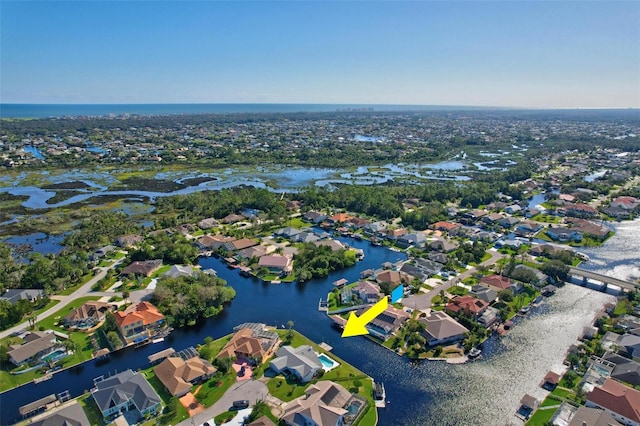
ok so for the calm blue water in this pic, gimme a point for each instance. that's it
(62, 110)
(254, 302)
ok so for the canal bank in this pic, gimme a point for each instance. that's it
(486, 391)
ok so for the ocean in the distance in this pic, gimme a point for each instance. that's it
(69, 110)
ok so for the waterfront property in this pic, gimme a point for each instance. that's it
(178, 375)
(88, 314)
(301, 362)
(126, 391)
(35, 348)
(620, 401)
(139, 322)
(323, 404)
(441, 329)
(251, 341)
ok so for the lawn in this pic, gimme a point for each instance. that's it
(213, 389)
(541, 417)
(286, 389)
(91, 409)
(297, 222)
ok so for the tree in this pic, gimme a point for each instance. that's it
(506, 295)
(223, 364)
(114, 340)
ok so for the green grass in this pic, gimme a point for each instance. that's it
(91, 409)
(297, 222)
(212, 390)
(541, 417)
(286, 389)
(49, 305)
(181, 412)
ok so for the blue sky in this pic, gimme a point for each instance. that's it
(502, 53)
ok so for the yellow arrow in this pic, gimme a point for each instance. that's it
(355, 326)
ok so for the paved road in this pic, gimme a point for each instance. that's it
(422, 301)
(251, 390)
(85, 290)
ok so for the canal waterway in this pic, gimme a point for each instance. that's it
(420, 393)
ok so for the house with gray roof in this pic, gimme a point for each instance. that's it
(440, 328)
(35, 346)
(177, 271)
(13, 295)
(125, 391)
(302, 362)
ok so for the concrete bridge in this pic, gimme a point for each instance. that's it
(586, 275)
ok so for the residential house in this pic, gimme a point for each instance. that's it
(358, 222)
(563, 234)
(126, 391)
(13, 295)
(416, 239)
(629, 345)
(207, 223)
(240, 244)
(212, 242)
(489, 317)
(262, 421)
(250, 341)
(389, 276)
(444, 246)
(527, 228)
(428, 266)
(591, 229)
(580, 210)
(102, 252)
(127, 241)
(626, 203)
(492, 218)
(305, 237)
(179, 375)
(69, 415)
(177, 271)
(232, 218)
(394, 234)
(441, 329)
(484, 292)
(142, 268)
(288, 232)
(368, 291)
(374, 228)
(513, 209)
(467, 305)
(276, 264)
(301, 362)
(414, 272)
(139, 322)
(625, 370)
(446, 226)
(334, 245)
(473, 216)
(35, 345)
(255, 251)
(587, 416)
(322, 405)
(620, 401)
(498, 282)
(314, 217)
(508, 222)
(440, 258)
(338, 218)
(88, 314)
(387, 323)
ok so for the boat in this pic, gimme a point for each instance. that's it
(379, 394)
(157, 340)
(524, 310)
(474, 353)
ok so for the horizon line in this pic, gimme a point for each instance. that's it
(333, 104)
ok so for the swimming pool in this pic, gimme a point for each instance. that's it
(327, 363)
(55, 355)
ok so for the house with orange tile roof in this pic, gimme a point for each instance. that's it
(246, 343)
(467, 305)
(139, 321)
(620, 401)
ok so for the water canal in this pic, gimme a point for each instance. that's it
(421, 393)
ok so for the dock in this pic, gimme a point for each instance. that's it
(43, 378)
(39, 405)
(323, 305)
(326, 346)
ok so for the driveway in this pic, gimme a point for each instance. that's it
(85, 290)
(251, 390)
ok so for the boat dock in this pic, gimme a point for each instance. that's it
(379, 395)
(323, 305)
(326, 346)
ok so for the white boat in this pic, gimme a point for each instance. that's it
(158, 340)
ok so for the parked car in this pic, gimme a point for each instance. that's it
(241, 372)
(240, 404)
